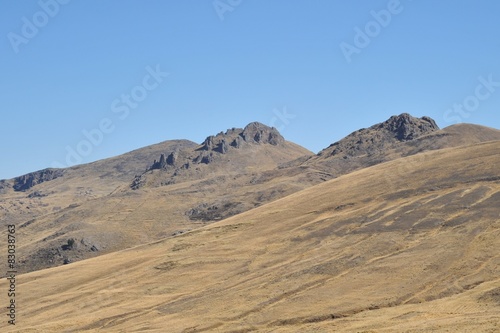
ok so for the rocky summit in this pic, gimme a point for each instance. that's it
(242, 147)
(381, 136)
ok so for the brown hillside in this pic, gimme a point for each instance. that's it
(385, 142)
(361, 253)
(103, 208)
(95, 206)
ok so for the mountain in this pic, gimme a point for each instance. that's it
(237, 151)
(176, 186)
(381, 137)
(365, 252)
(45, 190)
(103, 206)
(399, 136)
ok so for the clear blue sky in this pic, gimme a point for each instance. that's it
(240, 62)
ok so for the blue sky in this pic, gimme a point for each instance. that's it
(316, 70)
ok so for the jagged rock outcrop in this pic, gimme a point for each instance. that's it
(253, 133)
(259, 133)
(164, 161)
(405, 127)
(208, 144)
(222, 143)
(37, 194)
(222, 147)
(215, 211)
(236, 138)
(138, 182)
(381, 136)
(25, 182)
(204, 158)
(171, 158)
(159, 164)
(236, 143)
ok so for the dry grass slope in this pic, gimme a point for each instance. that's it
(366, 252)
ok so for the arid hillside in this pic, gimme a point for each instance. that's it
(366, 252)
(399, 136)
(142, 196)
(176, 186)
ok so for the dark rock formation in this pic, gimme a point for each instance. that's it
(211, 149)
(29, 180)
(164, 161)
(253, 133)
(215, 211)
(37, 194)
(221, 147)
(159, 164)
(172, 157)
(406, 127)
(207, 158)
(259, 133)
(208, 144)
(236, 143)
(138, 182)
(381, 136)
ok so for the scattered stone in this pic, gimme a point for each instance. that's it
(37, 194)
(138, 182)
(216, 211)
(70, 245)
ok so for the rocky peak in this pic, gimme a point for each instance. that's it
(259, 133)
(253, 133)
(214, 146)
(381, 136)
(213, 149)
(405, 127)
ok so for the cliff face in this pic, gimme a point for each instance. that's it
(25, 182)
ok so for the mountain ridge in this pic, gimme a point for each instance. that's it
(351, 254)
(141, 196)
